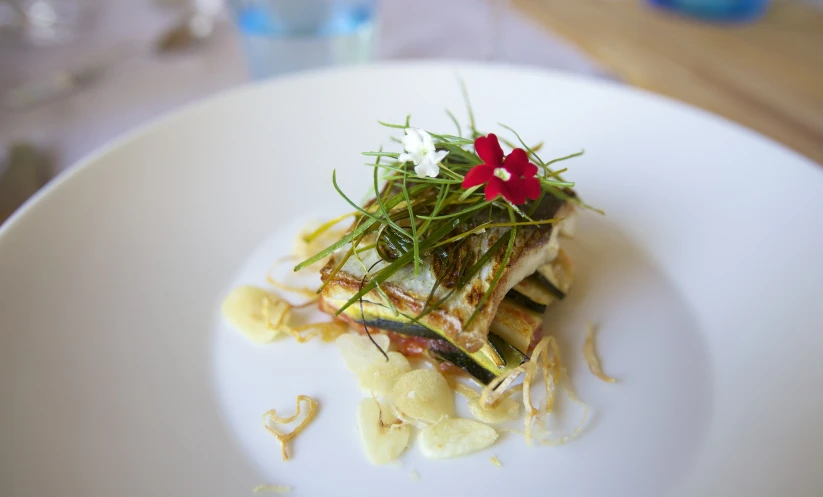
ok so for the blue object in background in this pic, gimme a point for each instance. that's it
(288, 35)
(717, 10)
(296, 18)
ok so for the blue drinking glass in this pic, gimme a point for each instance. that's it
(717, 10)
(287, 35)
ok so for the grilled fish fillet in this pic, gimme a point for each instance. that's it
(534, 246)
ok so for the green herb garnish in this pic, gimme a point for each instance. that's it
(417, 215)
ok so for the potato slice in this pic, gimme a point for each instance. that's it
(455, 437)
(423, 394)
(384, 437)
(246, 308)
(380, 376)
(359, 352)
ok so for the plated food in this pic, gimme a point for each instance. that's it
(442, 276)
(686, 403)
(444, 258)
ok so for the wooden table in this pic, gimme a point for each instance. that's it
(767, 75)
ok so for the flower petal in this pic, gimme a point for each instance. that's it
(405, 157)
(412, 142)
(417, 157)
(427, 168)
(438, 156)
(529, 171)
(516, 191)
(494, 188)
(532, 187)
(478, 175)
(426, 138)
(488, 148)
(516, 162)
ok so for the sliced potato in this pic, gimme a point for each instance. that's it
(247, 309)
(455, 437)
(359, 352)
(423, 394)
(380, 376)
(384, 437)
(504, 410)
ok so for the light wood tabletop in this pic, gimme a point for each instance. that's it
(767, 75)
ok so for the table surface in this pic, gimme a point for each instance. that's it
(767, 75)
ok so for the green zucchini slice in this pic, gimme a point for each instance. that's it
(533, 294)
(495, 357)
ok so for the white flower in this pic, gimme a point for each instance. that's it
(420, 150)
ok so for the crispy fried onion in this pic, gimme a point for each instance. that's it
(590, 351)
(545, 359)
(553, 374)
(491, 393)
(300, 290)
(313, 238)
(577, 430)
(551, 368)
(502, 410)
(270, 417)
(276, 313)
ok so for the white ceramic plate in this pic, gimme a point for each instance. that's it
(120, 378)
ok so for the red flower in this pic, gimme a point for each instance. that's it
(513, 177)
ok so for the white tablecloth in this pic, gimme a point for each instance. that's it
(146, 85)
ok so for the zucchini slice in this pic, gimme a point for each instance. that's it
(551, 282)
(516, 324)
(557, 277)
(495, 357)
(408, 328)
(464, 362)
(532, 293)
(467, 362)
